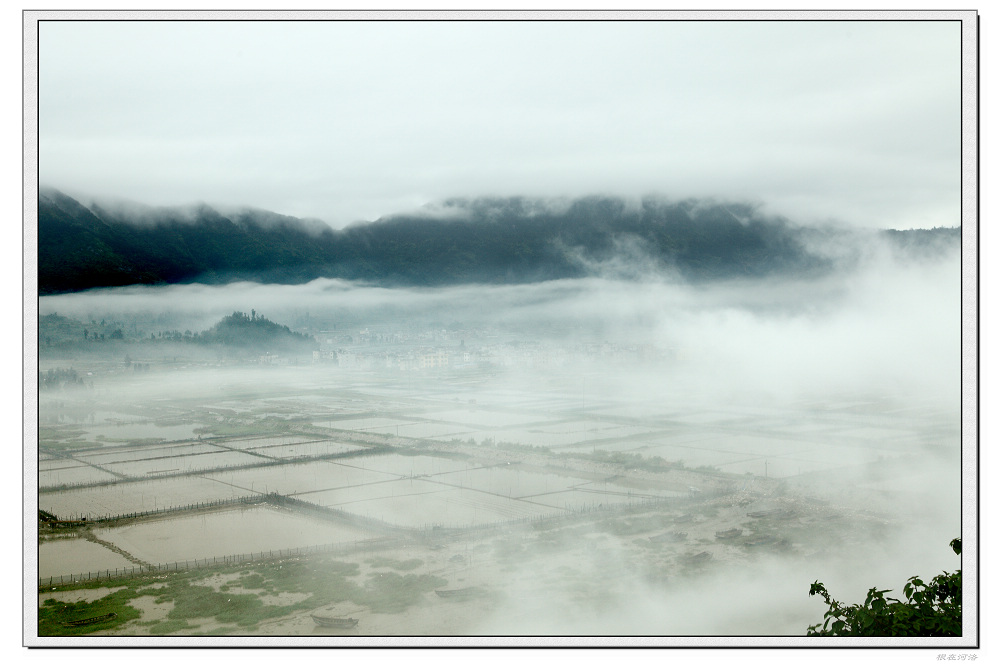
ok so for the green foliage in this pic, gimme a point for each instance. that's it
(324, 580)
(250, 581)
(518, 447)
(53, 615)
(204, 602)
(59, 378)
(242, 330)
(168, 626)
(932, 609)
(629, 460)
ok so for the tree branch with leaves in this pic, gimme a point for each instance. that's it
(932, 609)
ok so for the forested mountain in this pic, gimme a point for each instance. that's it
(99, 246)
(487, 240)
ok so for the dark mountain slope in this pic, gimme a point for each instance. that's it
(486, 240)
(76, 249)
(183, 244)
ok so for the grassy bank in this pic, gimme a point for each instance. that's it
(244, 601)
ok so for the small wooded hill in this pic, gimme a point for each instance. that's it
(238, 333)
(509, 240)
(251, 331)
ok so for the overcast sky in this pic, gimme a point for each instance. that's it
(858, 122)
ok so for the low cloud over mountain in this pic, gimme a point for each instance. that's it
(485, 240)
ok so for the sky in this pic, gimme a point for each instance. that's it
(847, 121)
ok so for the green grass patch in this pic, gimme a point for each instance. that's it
(325, 580)
(252, 581)
(242, 609)
(54, 615)
(170, 626)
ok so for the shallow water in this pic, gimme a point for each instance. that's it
(81, 474)
(476, 418)
(227, 532)
(76, 556)
(183, 463)
(129, 497)
(409, 466)
(305, 449)
(403, 504)
(300, 477)
(121, 454)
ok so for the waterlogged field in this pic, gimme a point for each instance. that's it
(125, 454)
(568, 435)
(302, 449)
(124, 498)
(228, 532)
(125, 432)
(430, 430)
(419, 504)
(385, 456)
(76, 556)
(483, 419)
(413, 465)
(293, 478)
(70, 472)
(188, 463)
(369, 424)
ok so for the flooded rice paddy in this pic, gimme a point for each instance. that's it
(125, 498)
(461, 473)
(227, 532)
(76, 556)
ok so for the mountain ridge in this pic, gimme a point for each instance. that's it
(481, 240)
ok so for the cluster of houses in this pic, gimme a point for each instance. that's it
(439, 350)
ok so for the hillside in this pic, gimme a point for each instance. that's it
(254, 332)
(512, 240)
(236, 335)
